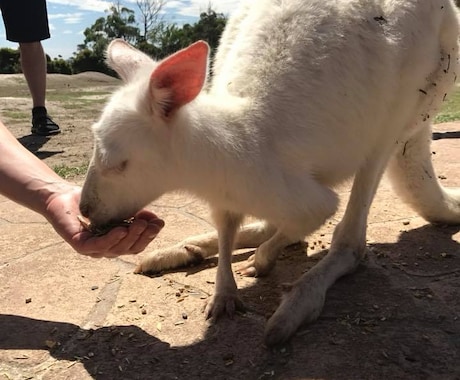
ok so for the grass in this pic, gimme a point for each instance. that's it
(67, 172)
(72, 95)
(15, 114)
(451, 109)
(77, 99)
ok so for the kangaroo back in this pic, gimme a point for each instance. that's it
(366, 70)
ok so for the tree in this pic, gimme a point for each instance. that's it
(9, 61)
(171, 38)
(120, 23)
(58, 65)
(157, 39)
(209, 28)
(150, 18)
(168, 40)
(88, 60)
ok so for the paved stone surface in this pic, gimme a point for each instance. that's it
(64, 316)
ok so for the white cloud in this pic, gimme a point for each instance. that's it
(193, 8)
(73, 20)
(188, 8)
(87, 5)
(68, 18)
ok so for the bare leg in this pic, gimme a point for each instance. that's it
(33, 63)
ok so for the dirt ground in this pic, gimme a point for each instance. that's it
(74, 101)
(396, 317)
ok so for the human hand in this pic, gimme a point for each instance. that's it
(62, 210)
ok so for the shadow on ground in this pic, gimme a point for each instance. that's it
(34, 144)
(446, 135)
(384, 321)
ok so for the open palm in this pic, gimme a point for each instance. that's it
(62, 212)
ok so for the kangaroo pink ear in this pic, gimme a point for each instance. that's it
(182, 75)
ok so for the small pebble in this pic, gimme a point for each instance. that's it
(28, 300)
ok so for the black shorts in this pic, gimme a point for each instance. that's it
(25, 20)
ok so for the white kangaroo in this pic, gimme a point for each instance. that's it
(304, 95)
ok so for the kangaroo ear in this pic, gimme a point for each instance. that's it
(178, 79)
(125, 59)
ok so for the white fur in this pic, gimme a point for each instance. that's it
(305, 94)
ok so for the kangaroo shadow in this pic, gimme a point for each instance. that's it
(429, 241)
(34, 143)
(127, 352)
(366, 315)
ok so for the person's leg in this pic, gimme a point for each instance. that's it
(33, 63)
(26, 22)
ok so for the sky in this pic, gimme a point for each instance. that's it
(69, 18)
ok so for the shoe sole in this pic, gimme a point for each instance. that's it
(52, 133)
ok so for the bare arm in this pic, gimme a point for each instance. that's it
(30, 182)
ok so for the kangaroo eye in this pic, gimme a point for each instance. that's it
(122, 166)
(116, 169)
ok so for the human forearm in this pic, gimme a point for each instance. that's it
(24, 178)
(28, 181)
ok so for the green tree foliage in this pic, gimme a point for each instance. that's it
(120, 23)
(58, 65)
(9, 61)
(157, 38)
(88, 60)
(167, 39)
(171, 38)
(209, 28)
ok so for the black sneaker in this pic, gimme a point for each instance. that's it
(42, 124)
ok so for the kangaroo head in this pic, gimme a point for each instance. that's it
(133, 160)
